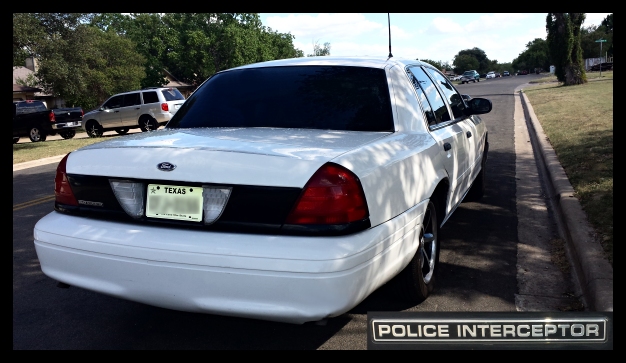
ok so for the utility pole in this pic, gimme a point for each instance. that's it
(601, 41)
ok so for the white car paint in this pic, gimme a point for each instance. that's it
(275, 277)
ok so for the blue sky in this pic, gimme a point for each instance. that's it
(436, 36)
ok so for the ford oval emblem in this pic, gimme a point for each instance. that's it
(166, 166)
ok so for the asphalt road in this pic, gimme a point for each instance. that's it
(480, 270)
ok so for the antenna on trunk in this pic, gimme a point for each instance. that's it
(389, 25)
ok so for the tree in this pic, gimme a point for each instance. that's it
(484, 64)
(440, 65)
(319, 50)
(536, 55)
(89, 65)
(564, 31)
(465, 62)
(607, 24)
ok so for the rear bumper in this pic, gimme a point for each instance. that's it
(282, 278)
(67, 125)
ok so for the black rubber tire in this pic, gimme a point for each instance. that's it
(416, 282)
(36, 135)
(147, 123)
(122, 131)
(93, 129)
(67, 134)
(16, 140)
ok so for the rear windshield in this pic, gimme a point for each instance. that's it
(172, 94)
(29, 107)
(312, 97)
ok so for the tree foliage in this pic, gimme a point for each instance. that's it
(87, 57)
(440, 65)
(536, 55)
(564, 34)
(465, 62)
(319, 51)
(484, 64)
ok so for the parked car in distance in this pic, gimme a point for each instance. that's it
(33, 119)
(146, 109)
(498, 75)
(505, 74)
(490, 75)
(523, 72)
(470, 76)
(457, 77)
(287, 190)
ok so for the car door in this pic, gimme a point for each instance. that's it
(130, 110)
(469, 124)
(110, 112)
(450, 135)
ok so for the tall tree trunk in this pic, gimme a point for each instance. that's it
(574, 71)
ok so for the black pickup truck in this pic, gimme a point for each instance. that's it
(33, 119)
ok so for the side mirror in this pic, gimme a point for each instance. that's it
(478, 106)
(466, 98)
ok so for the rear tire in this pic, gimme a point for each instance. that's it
(93, 129)
(147, 123)
(16, 140)
(67, 134)
(35, 135)
(416, 282)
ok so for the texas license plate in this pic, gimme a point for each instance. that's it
(178, 202)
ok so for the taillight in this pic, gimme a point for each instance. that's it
(62, 189)
(333, 195)
(51, 116)
(82, 113)
(165, 107)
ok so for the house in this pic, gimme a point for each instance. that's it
(22, 93)
(185, 88)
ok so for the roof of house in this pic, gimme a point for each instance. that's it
(20, 88)
(23, 73)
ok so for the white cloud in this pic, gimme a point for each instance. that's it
(323, 27)
(594, 19)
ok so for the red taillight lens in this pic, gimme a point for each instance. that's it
(51, 116)
(62, 190)
(165, 107)
(333, 195)
(82, 113)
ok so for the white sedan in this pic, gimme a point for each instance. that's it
(491, 75)
(287, 190)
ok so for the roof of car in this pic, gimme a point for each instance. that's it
(365, 61)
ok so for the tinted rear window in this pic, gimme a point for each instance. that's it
(30, 107)
(313, 97)
(172, 94)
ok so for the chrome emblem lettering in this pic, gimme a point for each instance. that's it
(165, 166)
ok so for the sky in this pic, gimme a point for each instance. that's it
(435, 36)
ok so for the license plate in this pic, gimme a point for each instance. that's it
(70, 124)
(178, 202)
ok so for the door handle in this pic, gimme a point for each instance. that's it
(469, 134)
(137, 108)
(447, 146)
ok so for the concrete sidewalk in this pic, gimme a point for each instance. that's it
(591, 268)
(593, 271)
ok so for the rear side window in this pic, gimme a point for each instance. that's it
(150, 97)
(172, 94)
(29, 107)
(313, 97)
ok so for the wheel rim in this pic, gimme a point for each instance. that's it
(93, 129)
(34, 134)
(428, 245)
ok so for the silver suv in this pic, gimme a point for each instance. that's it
(146, 109)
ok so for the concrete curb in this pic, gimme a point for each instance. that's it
(586, 254)
(44, 161)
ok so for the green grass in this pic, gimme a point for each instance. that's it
(578, 121)
(29, 151)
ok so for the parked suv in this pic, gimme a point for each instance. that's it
(146, 109)
(470, 76)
